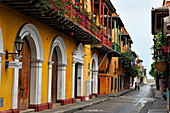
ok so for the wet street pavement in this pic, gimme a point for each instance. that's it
(132, 102)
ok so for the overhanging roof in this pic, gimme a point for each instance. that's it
(118, 20)
(157, 14)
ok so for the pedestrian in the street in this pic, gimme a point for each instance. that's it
(135, 85)
(138, 86)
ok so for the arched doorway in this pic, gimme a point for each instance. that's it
(1, 52)
(77, 72)
(94, 77)
(54, 77)
(24, 77)
(34, 60)
(57, 71)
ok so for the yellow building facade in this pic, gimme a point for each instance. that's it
(45, 47)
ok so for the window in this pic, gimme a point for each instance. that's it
(115, 83)
(111, 83)
(115, 68)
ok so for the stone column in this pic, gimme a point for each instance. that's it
(15, 85)
(61, 81)
(73, 78)
(1, 54)
(36, 78)
(49, 80)
(95, 79)
(80, 80)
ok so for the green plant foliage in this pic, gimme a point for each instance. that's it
(126, 59)
(130, 70)
(160, 39)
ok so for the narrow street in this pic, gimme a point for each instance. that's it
(132, 102)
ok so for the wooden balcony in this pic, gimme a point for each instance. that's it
(106, 47)
(80, 30)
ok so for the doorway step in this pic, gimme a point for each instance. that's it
(93, 96)
(78, 100)
(27, 110)
(56, 104)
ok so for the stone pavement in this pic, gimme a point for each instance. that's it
(159, 105)
(83, 104)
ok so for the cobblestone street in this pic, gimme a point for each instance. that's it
(132, 102)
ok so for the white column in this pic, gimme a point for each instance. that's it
(80, 80)
(15, 85)
(91, 79)
(36, 78)
(49, 80)
(73, 78)
(95, 79)
(61, 81)
(1, 54)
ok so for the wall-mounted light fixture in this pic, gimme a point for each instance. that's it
(160, 51)
(18, 45)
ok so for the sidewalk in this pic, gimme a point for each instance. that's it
(120, 93)
(83, 104)
(159, 105)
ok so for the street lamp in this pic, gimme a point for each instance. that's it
(18, 45)
(159, 50)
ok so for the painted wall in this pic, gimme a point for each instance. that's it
(10, 23)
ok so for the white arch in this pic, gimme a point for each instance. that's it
(94, 57)
(78, 57)
(58, 41)
(94, 72)
(58, 45)
(1, 42)
(30, 32)
(1, 52)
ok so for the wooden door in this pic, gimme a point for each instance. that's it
(118, 82)
(98, 85)
(24, 77)
(75, 87)
(108, 85)
(54, 77)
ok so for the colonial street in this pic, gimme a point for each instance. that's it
(132, 102)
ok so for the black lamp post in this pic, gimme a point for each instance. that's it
(159, 51)
(18, 45)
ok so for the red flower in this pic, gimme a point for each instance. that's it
(72, 33)
(54, 8)
(76, 3)
(66, 0)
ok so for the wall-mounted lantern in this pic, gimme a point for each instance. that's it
(18, 45)
(159, 50)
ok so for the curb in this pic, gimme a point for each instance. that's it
(82, 107)
(118, 95)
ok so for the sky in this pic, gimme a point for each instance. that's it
(136, 16)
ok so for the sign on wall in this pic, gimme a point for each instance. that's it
(11, 64)
(160, 66)
(1, 102)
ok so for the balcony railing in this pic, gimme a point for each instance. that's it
(107, 42)
(82, 20)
